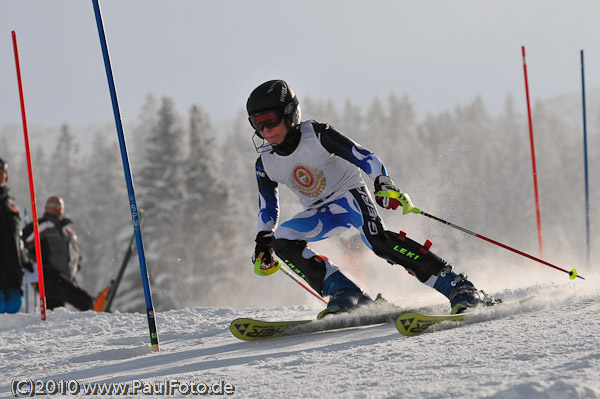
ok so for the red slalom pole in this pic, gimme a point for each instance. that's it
(535, 184)
(38, 251)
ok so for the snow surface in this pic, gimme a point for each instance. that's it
(546, 347)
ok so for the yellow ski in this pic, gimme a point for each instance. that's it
(255, 330)
(411, 324)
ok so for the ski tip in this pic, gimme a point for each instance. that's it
(404, 323)
(238, 328)
(257, 330)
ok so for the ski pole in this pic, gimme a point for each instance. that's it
(572, 274)
(117, 281)
(302, 284)
(411, 209)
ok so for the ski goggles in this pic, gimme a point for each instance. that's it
(267, 119)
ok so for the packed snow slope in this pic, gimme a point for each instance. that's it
(546, 347)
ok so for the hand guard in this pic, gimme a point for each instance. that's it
(384, 193)
(388, 196)
(264, 264)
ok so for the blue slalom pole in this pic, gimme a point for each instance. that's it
(132, 203)
(585, 160)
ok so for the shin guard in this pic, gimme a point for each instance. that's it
(417, 259)
(312, 269)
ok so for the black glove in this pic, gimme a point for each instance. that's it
(263, 250)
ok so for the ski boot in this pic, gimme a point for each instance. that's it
(461, 292)
(344, 295)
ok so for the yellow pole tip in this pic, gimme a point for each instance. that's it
(573, 274)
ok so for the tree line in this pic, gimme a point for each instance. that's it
(195, 182)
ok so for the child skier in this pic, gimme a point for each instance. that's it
(322, 167)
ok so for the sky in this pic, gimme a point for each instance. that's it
(214, 53)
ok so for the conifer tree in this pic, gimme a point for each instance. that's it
(162, 188)
(63, 180)
(142, 131)
(208, 232)
(400, 134)
(352, 122)
(106, 223)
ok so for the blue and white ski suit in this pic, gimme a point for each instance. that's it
(324, 171)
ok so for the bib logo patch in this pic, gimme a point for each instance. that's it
(308, 181)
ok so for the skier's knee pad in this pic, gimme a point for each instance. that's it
(414, 257)
(311, 269)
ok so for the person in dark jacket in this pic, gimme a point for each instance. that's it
(11, 261)
(61, 258)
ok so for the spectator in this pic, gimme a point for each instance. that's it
(11, 261)
(61, 258)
